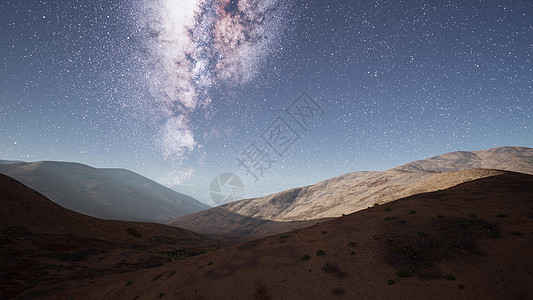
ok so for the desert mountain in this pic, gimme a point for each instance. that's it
(104, 193)
(471, 241)
(45, 247)
(355, 191)
(516, 159)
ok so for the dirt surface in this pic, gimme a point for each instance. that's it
(470, 241)
(45, 248)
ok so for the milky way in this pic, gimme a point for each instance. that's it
(177, 90)
(195, 46)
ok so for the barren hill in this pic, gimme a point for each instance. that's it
(471, 241)
(355, 191)
(104, 193)
(516, 159)
(44, 247)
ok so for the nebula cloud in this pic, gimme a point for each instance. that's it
(195, 46)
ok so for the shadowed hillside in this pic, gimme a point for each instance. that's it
(44, 247)
(471, 241)
(104, 193)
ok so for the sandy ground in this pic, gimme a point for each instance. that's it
(45, 248)
(470, 241)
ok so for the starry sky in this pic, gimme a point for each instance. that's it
(282, 93)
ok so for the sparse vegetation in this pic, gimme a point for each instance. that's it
(209, 263)
(338, 291)
(376, 204)
(501, 216)
(352, 253)
(440, 216)
(334, 269)
(495, 234)
(448, 239)
(399, 250)
(390, 282)
(129, 282)
(320, 252)
(388, 208)
(172, 272)
(412, 212)
(449, 277)
(305, 257)
(472, 215)
(161, 295)
(403, 273)
(421, 234)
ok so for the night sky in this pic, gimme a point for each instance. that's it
(181, 91)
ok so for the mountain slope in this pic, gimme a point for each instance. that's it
(44, 246)
(472, 241)
(355, 191)
(516, 159)
(104, 193)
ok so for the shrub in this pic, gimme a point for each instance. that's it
(129, 282)
(320, 253)
(495, 234)
(472, 215)
(501, 216)
(388, 208)
(305, 257)
(412, 212)
(399, 250)
(421, 234)
(440, 216)
(161, 295)
(403, 273)
(449, 277)
(390, 282)
(209, 263)
(172, 272)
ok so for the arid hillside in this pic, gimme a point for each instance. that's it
(44, 247)
(471, 241)
(354, 191)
